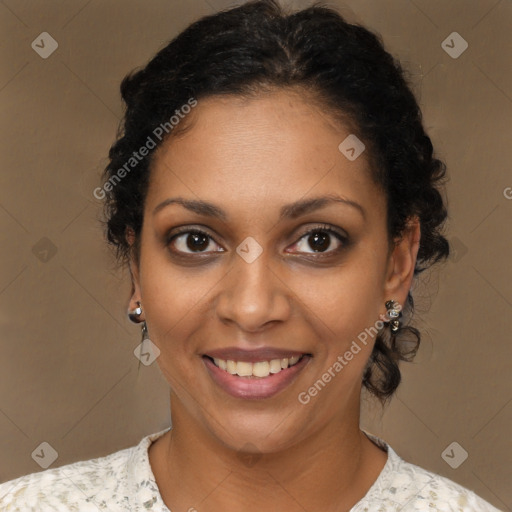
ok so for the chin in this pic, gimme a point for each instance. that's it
(258, 432)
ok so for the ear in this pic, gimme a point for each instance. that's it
(401, 263)
(136, 295)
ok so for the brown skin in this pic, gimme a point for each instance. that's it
(251, 157)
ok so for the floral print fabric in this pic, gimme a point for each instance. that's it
(123, 481)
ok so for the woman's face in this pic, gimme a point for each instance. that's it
(257, 280)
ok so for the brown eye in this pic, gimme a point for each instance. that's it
(190, 242)
(321, 240)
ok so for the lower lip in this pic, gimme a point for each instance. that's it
(256, 387)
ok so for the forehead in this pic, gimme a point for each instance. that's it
(271, 149)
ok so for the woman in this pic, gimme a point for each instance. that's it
(274, 194)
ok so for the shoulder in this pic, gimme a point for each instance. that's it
(409, 488)
(424, 490)
(104, 483)
(82, 484)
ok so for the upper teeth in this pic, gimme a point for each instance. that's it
(259, 369)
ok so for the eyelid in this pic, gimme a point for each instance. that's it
(325, 227)
(188, 229)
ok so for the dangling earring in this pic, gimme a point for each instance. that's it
(144, 331)
(151, 352)
(393, 313)
(134, 314)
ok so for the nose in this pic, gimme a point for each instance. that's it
(253, 295)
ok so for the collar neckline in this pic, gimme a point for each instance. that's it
(148, 495)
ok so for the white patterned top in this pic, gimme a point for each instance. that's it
(123, 481)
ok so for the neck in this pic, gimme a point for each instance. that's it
(330, 470)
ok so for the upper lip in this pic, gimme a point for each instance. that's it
(252, 356)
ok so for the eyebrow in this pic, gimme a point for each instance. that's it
(289, 211)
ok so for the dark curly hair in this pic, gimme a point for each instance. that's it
(258, 47)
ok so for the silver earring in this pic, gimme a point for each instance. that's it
(144, 331)
(134, 314)
(394, 312)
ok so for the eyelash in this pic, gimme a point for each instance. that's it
(324, 228)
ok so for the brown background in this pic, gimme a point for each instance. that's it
(67, 369)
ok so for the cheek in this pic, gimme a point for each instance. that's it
(175, 303)
(345, 299)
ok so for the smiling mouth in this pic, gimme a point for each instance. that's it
(259, 369)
